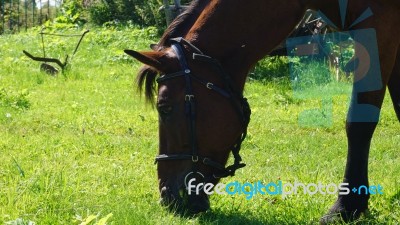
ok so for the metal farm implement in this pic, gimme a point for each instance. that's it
(45, 66)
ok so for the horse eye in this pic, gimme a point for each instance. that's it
(164, 109)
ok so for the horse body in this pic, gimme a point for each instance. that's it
(239, 35)
(242, 45)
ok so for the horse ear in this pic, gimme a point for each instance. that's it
(154, 47)
(149, 58)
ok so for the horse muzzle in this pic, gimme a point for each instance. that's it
(180, 201)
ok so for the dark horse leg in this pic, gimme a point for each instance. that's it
(394, 85)
(359, 134)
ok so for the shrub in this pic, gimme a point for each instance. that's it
(17, 101)
(140, 12)
(271, 67)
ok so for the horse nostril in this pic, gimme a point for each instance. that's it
(164, 109)
(171, 199)
(165, 193)
(169, 196)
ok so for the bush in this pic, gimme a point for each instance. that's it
(140, 12)
(100, 14)
(309, 74)
(271, 67)
(143, 13)
(17, 101)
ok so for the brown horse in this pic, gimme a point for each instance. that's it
(201, 109)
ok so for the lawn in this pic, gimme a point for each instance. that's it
(79, 148)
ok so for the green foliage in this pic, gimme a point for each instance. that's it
(140, 12)
(71, 15)
(114, 39)
(148, 13)
(271, 68)
(26, 13)
(310, 73)
(345, 51)
(93, 219)
(101, 13)
(8, 16)
(17, 101)
(75, 13)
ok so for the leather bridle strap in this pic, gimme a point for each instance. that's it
(241, 107)
(190, 105)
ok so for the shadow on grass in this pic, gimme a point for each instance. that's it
(224, 218)
(218, 217)
(395, 199)
(239, 217)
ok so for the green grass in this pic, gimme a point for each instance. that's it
(81, 146)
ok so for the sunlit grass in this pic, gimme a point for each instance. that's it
(82, 145)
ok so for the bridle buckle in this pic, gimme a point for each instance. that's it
(209, 85)
(189, 98)
(195, 158)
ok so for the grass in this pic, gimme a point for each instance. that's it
(80, 147)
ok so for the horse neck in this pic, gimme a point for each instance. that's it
(239, 35)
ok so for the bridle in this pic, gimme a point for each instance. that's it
(242, 108)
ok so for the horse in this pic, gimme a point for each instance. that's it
(201, 65)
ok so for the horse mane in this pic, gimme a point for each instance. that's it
(178, 28)
(146, 82)
(182, 24)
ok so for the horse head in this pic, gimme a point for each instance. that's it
(202, 118)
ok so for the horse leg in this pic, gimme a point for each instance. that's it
(361, 122)
(359, 134)
(394, 85)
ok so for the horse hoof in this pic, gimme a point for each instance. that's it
(330, 219)
(339, 215)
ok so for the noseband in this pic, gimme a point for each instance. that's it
(229, 91)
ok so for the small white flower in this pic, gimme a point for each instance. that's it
(8, 115)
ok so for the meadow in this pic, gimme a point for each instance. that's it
(79, 148)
